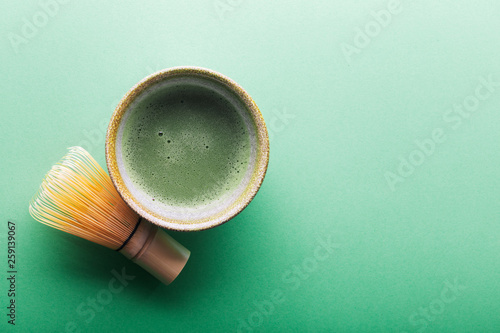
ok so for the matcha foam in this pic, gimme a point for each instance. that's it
(186, 145)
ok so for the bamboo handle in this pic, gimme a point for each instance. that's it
(155, 251)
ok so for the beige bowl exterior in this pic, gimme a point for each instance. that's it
(222, 216)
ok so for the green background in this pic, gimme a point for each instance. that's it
(345, 110)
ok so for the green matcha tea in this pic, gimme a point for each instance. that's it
(185, 145)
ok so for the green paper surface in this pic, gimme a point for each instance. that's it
(380, 209)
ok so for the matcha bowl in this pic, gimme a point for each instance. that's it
(187, 148)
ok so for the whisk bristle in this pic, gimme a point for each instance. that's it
(78, 197)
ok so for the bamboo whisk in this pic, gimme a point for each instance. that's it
(78, 197)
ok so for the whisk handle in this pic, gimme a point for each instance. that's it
(154, 250)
